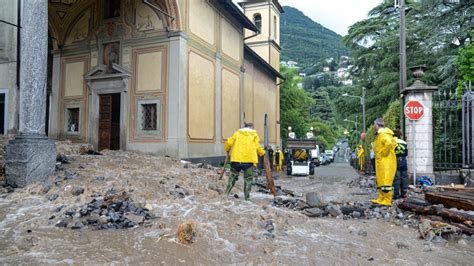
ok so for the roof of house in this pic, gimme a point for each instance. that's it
(248, 51)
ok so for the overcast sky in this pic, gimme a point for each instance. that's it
(336, 15)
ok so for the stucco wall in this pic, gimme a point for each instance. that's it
(201, 98)
(262, 94)
(202, 21)
(230, 102)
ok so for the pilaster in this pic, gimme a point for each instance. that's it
(176, 144)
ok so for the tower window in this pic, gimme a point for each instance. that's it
(257, 19)
(275, 27)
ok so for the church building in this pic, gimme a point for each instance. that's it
(168, 77)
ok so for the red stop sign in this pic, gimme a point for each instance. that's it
(414, 110)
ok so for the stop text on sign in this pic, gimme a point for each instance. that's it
(414, 110)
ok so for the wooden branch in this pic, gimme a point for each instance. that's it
(268, 173)
(455, 216)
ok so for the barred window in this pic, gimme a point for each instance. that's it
(149, 116)
(73, 119)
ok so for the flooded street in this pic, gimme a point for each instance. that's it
(230, 230)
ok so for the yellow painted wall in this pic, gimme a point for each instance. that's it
(201, 97)
(262, 50)
(74, 79)
(149, 71)
(274, 57)
(230, 102)
(202, 18)
(231, 40)
(265, 101)
(248, 92)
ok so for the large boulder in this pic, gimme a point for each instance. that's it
(314, 200)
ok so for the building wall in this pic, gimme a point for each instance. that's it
(8, 52)
(261, 96)
(191, 66)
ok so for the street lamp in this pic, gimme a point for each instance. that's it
(362, 102)
(355, 123)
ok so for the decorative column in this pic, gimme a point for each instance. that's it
(423, 138)
(31, 156)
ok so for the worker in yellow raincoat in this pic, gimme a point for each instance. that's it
(278, 160)
(385, 162)
(245, 145)
(361, 157)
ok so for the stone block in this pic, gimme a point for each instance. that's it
(29, 160)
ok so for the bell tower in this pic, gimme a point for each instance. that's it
(265, 14)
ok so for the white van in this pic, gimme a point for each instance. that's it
(330, 155)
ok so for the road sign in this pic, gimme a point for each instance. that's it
(414, 110)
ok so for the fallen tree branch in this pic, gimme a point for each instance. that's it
(455, 216)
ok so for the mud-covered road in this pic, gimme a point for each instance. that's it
(230, 230)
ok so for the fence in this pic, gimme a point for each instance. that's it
(448, 124)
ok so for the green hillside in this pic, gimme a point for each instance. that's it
(307, 42)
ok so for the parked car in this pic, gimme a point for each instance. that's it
(323, 159)
(315, 156)
(330, 155)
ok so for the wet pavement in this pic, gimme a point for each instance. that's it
(230, 230)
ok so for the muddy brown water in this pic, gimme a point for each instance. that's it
(229, 230)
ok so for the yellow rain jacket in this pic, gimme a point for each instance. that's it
(280, 161)
(385, 160)
(361, 157)
(245, 145)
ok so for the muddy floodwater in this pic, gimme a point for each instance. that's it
(230, 230)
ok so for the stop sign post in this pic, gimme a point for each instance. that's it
(414, 110)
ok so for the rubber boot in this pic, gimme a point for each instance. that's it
(387, 198)
(247, 183)
(379, 199)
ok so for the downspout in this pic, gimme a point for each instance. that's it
(18, 64)
(18, 46)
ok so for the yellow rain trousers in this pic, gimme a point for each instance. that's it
(385, 165)
(361, 157)
(278, 163)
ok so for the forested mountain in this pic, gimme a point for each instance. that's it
(307, 42)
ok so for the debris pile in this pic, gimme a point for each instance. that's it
(113, 211)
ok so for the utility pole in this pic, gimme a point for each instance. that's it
(362, 102)
(403, 63)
